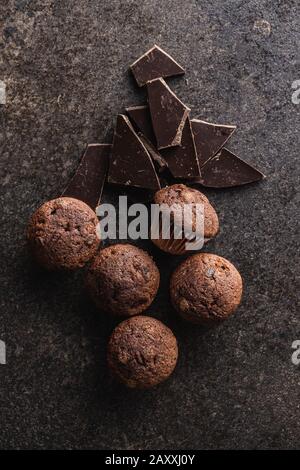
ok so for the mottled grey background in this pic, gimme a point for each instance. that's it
(65, 67)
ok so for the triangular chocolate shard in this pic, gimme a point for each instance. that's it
(182, 160)
(88, 181)
(209, 138)
(141, 118)
(160, 162)
(155, 63)
(226, 170)
(130, 163)
(168, 114)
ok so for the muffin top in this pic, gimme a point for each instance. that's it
(206, 288)
(178, 195)
(142, 352)
(62, 233)
(123, 280)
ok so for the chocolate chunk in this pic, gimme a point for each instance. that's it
(155, 63)
(168, 114)
(88, 181)
(154, 154)
(182, 160)
(209, 138)
(130, 163)
(141, 118)
(226, 170)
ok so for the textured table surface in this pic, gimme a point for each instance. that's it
(64, 64)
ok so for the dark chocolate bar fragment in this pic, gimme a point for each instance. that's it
(182, 160)
(160, 162)
(168, 114)
(209, 138)
(225, 170)
(155, 63)
(130, 162)
(88, 181)
(141, 119)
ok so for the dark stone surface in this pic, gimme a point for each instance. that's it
(65, 66)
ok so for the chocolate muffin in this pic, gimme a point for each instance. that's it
(206, 289)
(142, 352)
(178, 195)
(123, 280)
(62, 234)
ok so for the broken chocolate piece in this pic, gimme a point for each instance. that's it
(209, 138)
(141, 118)
(168, 114)
(154, 154)
(130, 163)
(226, 170)
(88, 181)
(182, 160)
(155, 63)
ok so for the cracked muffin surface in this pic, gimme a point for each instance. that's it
(206, 289)
(142, 352)
(62, 234)
(123, 280)
(178, 195)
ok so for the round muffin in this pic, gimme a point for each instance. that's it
(206, 289)
(142, 352)
(178, 195)
(62, 234)
(123, 280)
